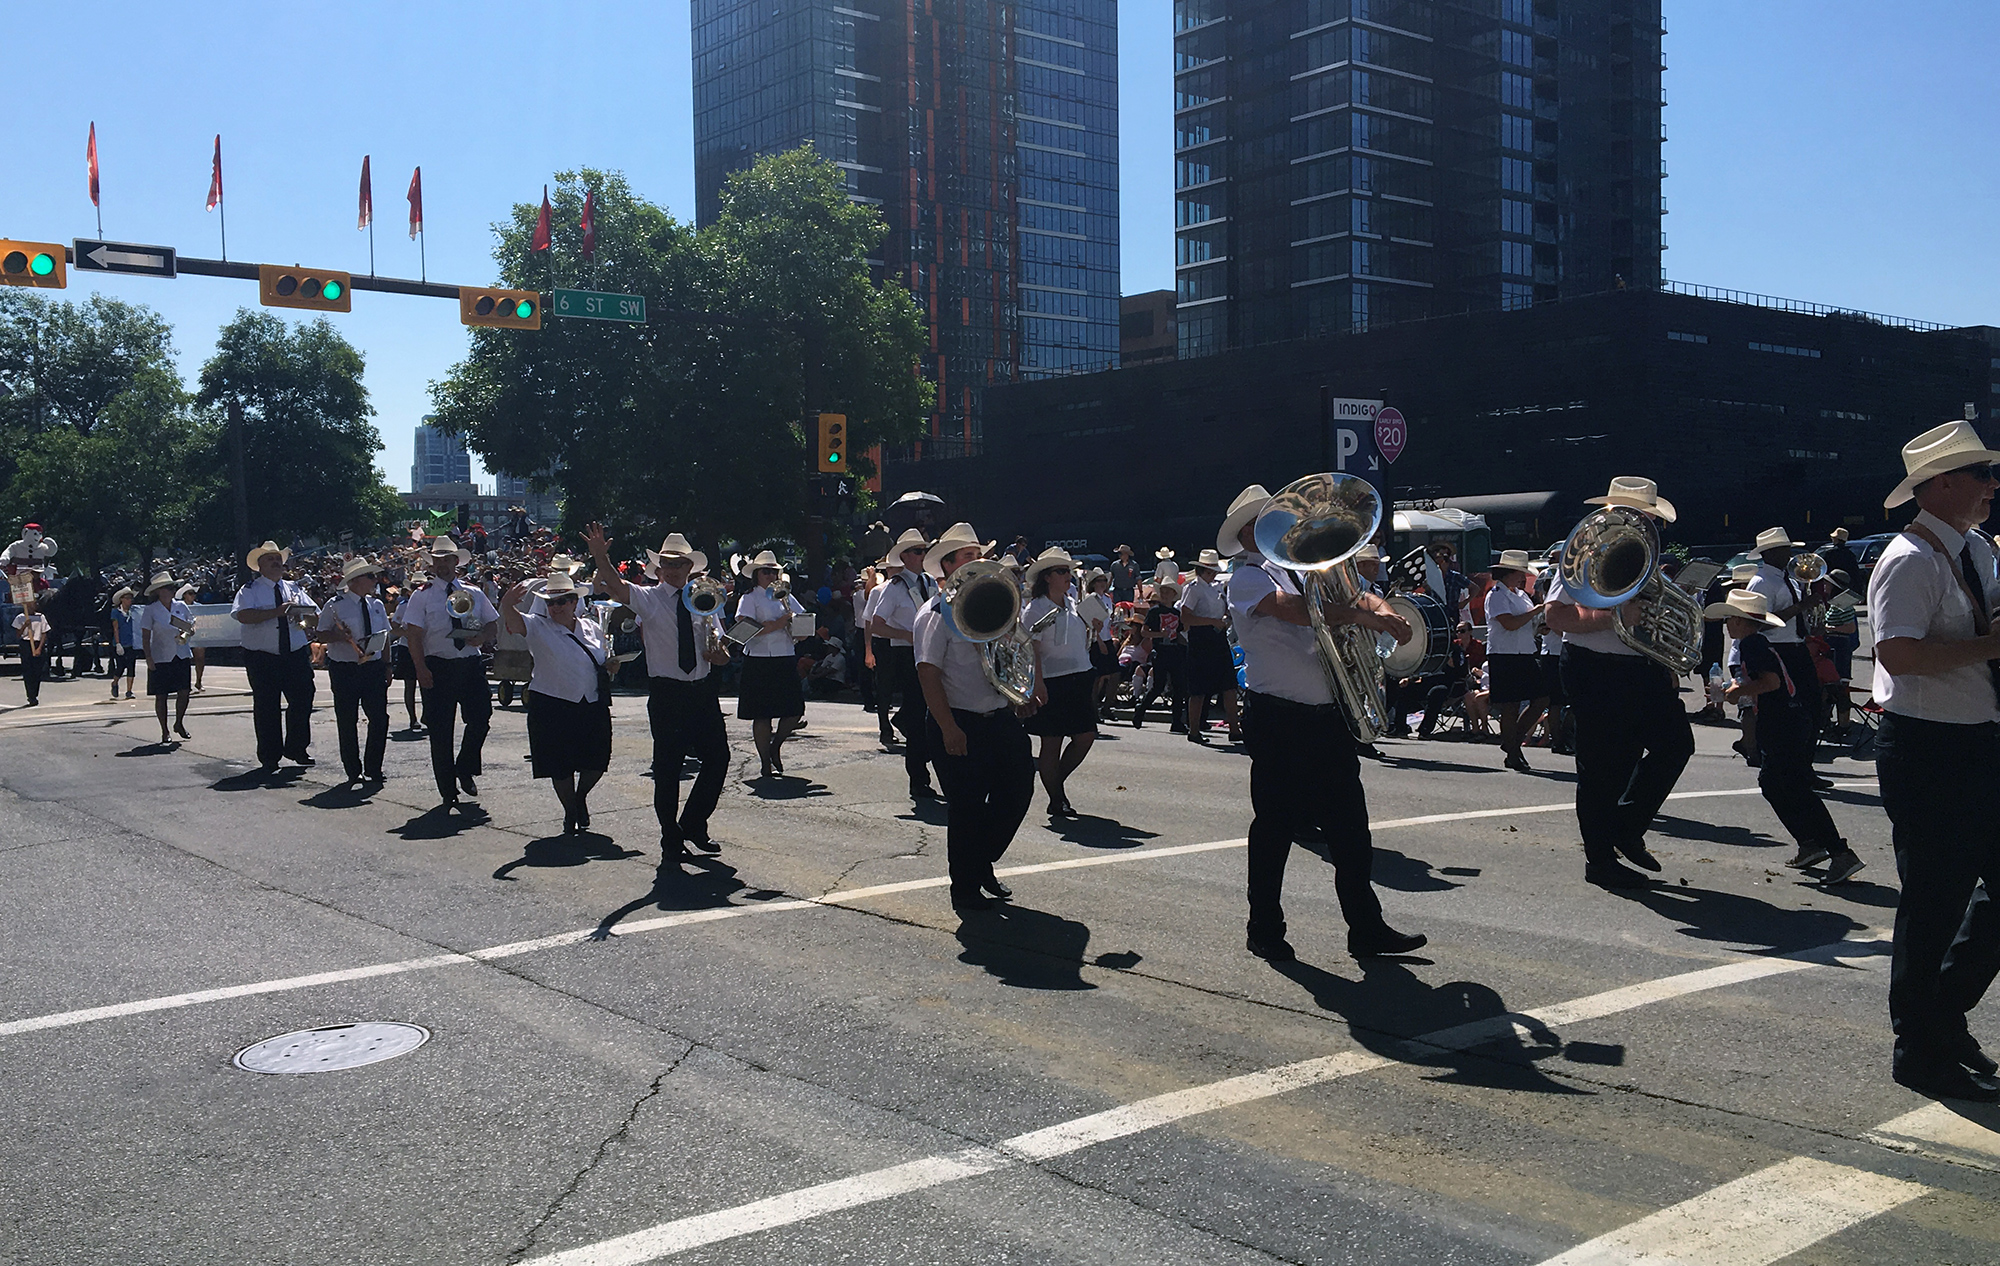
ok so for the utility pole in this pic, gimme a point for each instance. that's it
(238, 486)
(813, 340)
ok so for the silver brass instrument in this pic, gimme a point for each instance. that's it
(1806, 570)
(982, 603)
(705, 596)
(467, 626)
(1314, 526)
(1613, 557)
(781, 588)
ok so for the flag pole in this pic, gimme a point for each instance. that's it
(423, 268)
(371, 246)
(222, 222)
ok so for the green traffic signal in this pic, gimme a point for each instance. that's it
(833, 458)
(331, 290)
(42, 264)
(524, 309)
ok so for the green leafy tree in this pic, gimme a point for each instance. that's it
(696, 418)
(308, 445)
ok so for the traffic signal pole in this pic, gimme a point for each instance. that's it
(387, 285)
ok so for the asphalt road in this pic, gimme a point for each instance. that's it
(796, 1052)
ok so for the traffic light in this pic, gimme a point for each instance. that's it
(41, 264)
(503, 309)
(833, 442)
(314, 289)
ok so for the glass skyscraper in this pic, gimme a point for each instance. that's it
(987, 134)
(1346, 163)
(438, 458)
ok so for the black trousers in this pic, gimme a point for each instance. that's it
(1169, 679)
(986, 792)
(1305, 772)
(1632, 741)
(281, 700)
(458, 691)
(686, 719)
(34, 669)
(1786, 737)
(357, 689)
(913, 715)
(1948, 857)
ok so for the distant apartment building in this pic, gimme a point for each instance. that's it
(438, 458)
(1146, 328)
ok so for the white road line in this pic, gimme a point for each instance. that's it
(1756, 1220)
(1939, 1133)
(634, 927)
(681, 1234)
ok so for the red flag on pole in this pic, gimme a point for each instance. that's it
(366, 216)
(92, 157)
(416, 202)
(589, 224)
(215, 180)
(540, 242)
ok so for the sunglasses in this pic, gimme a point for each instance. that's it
(1984, 470)
(556, 602)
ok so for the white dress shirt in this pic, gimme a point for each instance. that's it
(348, 610)
(429, 609)
(1782, 592)
(262, 593)
(1280, 658)
(1914, 592)
(1501, 600)
(761, 606)
(660, 631)
(1065, 644)
(902, 595)
(962, 663)
(1603, 641)
(1206, 599)
(563, 668)
(160, 621)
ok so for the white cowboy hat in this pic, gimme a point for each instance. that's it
(1049, 559)
(912, 539)
(1936, 451)
(159, 582)
(126, 592)
(1245, 508)
(1838, 534)
(1165, 551)
(1636, 494)
(1746, 603)
(956, 537)
(358, 568)
(1164, 584)
(751, 566)
(185, 592)
(1775, 538)
(564, 562)
(1209, 560)
(268, 547)
(1743, 573)
(558, 584)
(444, 546)
(1369, 553)
(676, 546)
(1517, 560)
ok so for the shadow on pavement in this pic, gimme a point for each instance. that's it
(1712, 833)
(152, 749)
(257, 779)
(1860, 892)
(1028, 949)
(1708, 915)
(343, 796)
(442, 823)
(786, 787)
(1092, 831)
(1404, 874)
(1439, 766)
(557, 851)
(711, 885)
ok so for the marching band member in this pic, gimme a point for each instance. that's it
(1204, 612)
(1931, 601)
(1787, 725)
(1632, 734)
(1064, 678)
(569, 695)
(33, 628)
(189, 595)
(168, 660)
(770, 689)
(1103, 623)
(403, 664)
(357, 670)
(979, 747)
(450, 672)
(1304, 768)
(1169, 654)
(126, 645)
(275, 658)
(877, 687)
(683, 708)
(893, 620)
(1789, 601)
(1513, 669)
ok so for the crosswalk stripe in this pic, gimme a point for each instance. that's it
(1941, 1134)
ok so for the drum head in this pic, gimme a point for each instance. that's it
(1430, 637)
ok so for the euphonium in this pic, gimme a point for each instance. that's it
(1807, 568)
(981, 602)
(1613, 557)
(1314, 526)
(466, 625)
(705, 596)
(461, 602)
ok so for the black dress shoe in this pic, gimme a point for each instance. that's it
(469, 787)
(582, 816)
(1949, 1081)
(569, 821)
(672, 850)
(303, 762)
(1635, 852)
(1383, 941)
(1966, 1051)
(922, 791)
(965, 902)
(992, 887)
(1272, 950)
(700, 840)
(270, 768)
(1613, 875)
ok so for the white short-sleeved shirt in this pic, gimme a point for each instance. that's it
(1065, 644)
(660, 631)
(761, 606)
(362, 617)
(1603, 641)
(1915, 593)
(32, 626)
(1280, 659)
(962, 663)
(429, 609)
(1206, 599)
(1107, 628)
(160, 621)
(902, 595)
(867, 608)
(1501, 600)
(1783, 594)
(563, 668)
(259, 593)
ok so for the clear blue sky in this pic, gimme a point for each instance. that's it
(1818, 149)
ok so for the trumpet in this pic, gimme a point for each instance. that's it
(1613, 557)
(705, 596)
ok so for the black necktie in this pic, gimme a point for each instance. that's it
(684, 625)
(1980, 623)
(284, 624)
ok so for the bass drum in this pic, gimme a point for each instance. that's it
(1430, 637)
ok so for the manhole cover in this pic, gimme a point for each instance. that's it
(334, 1047)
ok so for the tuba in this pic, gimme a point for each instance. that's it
(1613, 557)
(705, 596)
(1314, 526)
(981, 602)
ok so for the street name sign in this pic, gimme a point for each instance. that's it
(124, 257)
(596, 305)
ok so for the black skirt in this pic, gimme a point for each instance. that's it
(175, 677)
(403, 668)
(1103, 658)
(565, 737)
(1069, 709)
(1552, 680)
(1210, 671)
(1516, 678)
(769, 689)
